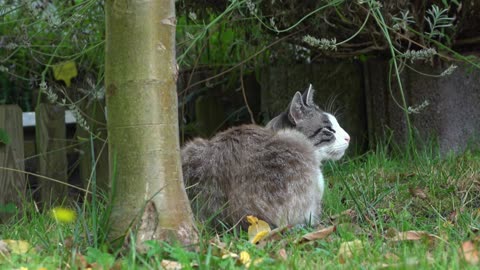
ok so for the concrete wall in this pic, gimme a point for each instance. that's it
(453, 116)
(369, 110)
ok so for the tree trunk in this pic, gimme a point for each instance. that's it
(144, 149)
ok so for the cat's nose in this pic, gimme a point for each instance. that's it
(347, 138)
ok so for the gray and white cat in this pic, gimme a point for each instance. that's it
(270, 172)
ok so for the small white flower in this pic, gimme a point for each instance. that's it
(449, 70)
(192, 15)
(323, 43)
(417, 109)
(420, 54)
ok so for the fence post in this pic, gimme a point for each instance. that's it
(12, 183)
(97, 125)
(50, 133)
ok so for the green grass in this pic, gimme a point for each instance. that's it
(388, 193)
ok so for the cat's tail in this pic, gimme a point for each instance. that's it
(194, 159)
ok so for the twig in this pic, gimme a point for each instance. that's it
(45, 177)
(242, 86)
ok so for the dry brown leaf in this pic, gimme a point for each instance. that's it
(171, 265)
(274, 235)
(413, 236)
(81, 261)
(347, 249)
(68, 242)
(418, 192)
(282, 254)
(469, 252)
(317, 235)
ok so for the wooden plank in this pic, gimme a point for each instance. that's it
(12, 183)
(51, 142)
(97, 126)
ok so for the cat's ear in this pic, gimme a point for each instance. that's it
(296, 111)
(308, 96)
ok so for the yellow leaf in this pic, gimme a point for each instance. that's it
(65, 71)
(252, 220)
(259, 236)
(17, 246)
(245, 258)
(63, 215)
(347, 249)
(23, 268)
(257, 230)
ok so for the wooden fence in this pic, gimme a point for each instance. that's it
(48, 155)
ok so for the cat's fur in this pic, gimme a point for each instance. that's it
(270, 172)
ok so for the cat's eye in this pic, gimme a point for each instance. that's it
(330, 129)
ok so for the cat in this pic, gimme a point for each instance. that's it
(270, 172)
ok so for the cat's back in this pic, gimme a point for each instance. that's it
(246, 146)
(245, 142)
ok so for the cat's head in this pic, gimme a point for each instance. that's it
(331, 140)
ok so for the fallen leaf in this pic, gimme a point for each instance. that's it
(317, 235)
(453, 217)
(81, 261)
(68, 242)
(391, 257)
(257, 230)
(17, 246)
(282, 254)
(229, 254)
(4, 250)
(348, 249)
(117, 265)
(274, 235)
(418, 192)
(171, 265)
(245, 258)
(413, 236)
(469, 252)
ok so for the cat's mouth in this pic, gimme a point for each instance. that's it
(336, 155)
(337, 152)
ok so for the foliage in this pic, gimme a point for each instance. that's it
(35, 35)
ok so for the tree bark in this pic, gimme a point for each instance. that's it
(142, 122)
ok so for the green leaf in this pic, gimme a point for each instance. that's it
(4, 138)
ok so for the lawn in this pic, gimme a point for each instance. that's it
(381, 211)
